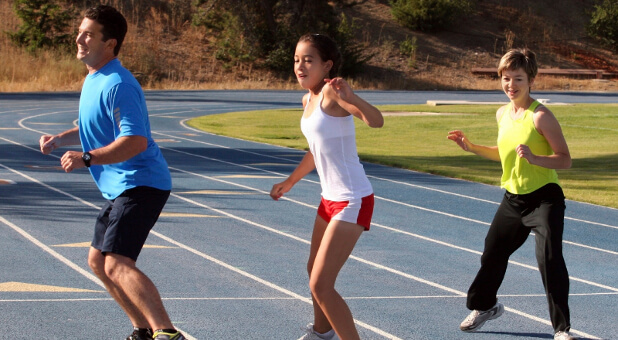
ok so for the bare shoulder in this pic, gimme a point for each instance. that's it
(542, 113)
(545, 121)
(330, 103)
(305, 99)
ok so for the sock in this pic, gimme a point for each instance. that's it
(169, 330)
(147, 332)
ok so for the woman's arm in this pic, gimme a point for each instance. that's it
(489, 152)
(547, 125)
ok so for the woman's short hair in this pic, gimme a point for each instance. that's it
(519, 58)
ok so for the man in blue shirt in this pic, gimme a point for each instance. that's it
(127, 166)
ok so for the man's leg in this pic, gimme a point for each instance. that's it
(138, 289)
(121, 230)
(96, 260)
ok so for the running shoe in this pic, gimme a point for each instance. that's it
(140, 334)
(477, 318)
(161, 335)
(563, 336)
(312, 335)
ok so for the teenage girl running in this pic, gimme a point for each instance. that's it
(347, 196)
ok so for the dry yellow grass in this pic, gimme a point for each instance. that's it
(162, 60)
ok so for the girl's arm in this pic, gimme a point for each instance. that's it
(338, 90)
(305, 166)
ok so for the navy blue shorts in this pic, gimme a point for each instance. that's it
(124, 223)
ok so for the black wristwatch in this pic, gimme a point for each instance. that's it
(87, 157)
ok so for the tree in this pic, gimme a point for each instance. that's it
(604, 24)
(267, 30)
(44, 25)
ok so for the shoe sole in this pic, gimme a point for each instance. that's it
(495, 316)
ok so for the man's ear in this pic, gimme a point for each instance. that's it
(111, 43)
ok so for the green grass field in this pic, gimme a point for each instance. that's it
(418, 142)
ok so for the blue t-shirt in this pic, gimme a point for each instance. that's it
(112, 105)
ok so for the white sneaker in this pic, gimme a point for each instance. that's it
(477, 318)
(312, 335)
(563, 336)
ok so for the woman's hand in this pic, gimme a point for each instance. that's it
(458, 137)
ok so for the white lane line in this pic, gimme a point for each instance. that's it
(521, 313)
(389, 200)
(289, 298)
(183, 123)
(52, 252)
(370, 263)
(450, 245)
(377, 197)
(180, 245)
(483, 200)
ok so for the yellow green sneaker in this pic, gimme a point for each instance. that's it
(161, 334)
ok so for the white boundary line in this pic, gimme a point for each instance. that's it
(455, 291)
(397, 272)
(276, 298)
(178, 244)
(377, 197)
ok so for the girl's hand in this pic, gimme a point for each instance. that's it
(279, 189)
(341, 87)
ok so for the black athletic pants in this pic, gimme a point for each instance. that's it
(541, 211)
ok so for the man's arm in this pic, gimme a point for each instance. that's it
(49, 143)
(120, 150)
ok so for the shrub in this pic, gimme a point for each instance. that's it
(429, 15)
(408, 48)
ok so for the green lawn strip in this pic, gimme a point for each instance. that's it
(413, 139)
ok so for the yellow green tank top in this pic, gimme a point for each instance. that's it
(519, 176)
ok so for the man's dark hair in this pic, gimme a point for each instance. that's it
(114, 23)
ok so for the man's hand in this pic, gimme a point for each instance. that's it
(72, 160)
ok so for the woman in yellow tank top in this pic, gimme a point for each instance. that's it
(530, 147)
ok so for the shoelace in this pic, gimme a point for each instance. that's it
(473, 315)
(307, 329)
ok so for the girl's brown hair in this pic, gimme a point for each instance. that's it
(327, 48)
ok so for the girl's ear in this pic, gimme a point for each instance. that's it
(328, 65)
(531, 81)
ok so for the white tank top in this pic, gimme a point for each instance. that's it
(332, 141)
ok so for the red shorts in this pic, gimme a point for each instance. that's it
(357, 211)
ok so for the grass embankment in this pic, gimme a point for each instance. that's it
(418, 142)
